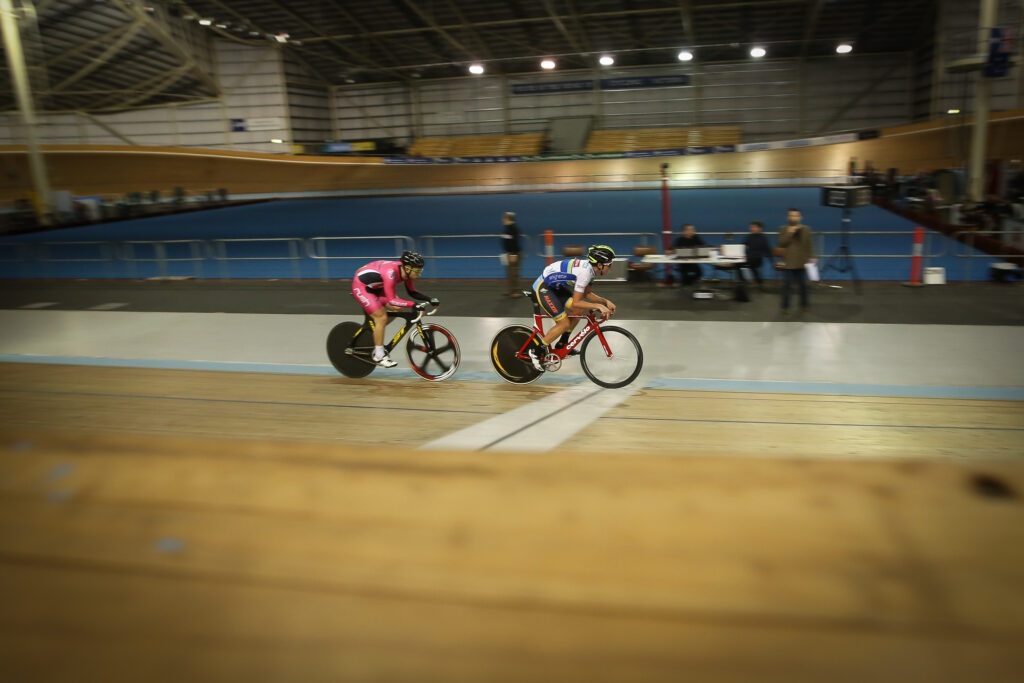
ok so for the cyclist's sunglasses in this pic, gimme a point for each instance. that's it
(415, 271)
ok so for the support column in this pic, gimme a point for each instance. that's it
(23, 93)
(982, 104)
(935, 109)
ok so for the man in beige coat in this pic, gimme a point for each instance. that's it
(796, 250)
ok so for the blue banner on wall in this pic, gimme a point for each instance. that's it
(604, 84)
(546, 88)
(644, 82)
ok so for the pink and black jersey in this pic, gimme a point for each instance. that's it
(380, 277)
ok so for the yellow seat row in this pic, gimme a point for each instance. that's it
(634, 139)
(478, 146)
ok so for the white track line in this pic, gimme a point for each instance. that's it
(541, 425)
(567, 423)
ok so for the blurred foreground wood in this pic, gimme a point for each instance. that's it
(143, 558)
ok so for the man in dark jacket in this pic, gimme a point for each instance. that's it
(759, 250)
(510, 245)
(689, 272)
(797, 251)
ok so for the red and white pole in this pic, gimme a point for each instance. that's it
(916, 258)
(549, 247)
(666, 221)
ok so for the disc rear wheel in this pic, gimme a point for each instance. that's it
(504, 355)
(339, 339)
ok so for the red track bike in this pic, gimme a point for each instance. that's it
(610, 355)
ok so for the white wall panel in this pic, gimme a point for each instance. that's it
(368, 112)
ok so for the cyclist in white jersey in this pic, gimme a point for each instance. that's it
(564, 287)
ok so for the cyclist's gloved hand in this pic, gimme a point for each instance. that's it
(422, 306)
(435, 302)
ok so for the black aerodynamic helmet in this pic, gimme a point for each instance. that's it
(412, 259)
(600, 254)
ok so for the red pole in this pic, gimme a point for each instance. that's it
(915, 260)
(549, 247)
(666, 221)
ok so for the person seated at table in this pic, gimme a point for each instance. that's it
(689, 272)
(759, 250)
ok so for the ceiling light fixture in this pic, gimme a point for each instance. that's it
(547, 64)
(952, 111)
(205, 22)
(277, 141)
(476, 69)
(758, 52)
(685, 56)
(606, 60)
(844, 48)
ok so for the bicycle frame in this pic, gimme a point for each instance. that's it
(593, 326)
(368, 325)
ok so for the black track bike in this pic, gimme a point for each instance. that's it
(432, 350)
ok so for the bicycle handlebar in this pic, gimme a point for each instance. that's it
(421, 309)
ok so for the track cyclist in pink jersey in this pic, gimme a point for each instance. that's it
(564, 287)
(374, 288)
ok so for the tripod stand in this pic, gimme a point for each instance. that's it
(847, 263)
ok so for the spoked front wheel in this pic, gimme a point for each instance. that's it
(616, 361)
(347, 364)
(505, 355)
(434, 355)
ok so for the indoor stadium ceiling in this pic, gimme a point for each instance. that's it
(105, 55)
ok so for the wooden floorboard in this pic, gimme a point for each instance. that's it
(242, 558)
(136, 545)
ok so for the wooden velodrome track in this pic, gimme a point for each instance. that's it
(170, 525)
(185, 525)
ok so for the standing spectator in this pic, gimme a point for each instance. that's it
(758, 251)
(797, 251)
(512, 253)
(689, 272)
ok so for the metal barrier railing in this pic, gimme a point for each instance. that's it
(220, 252)
(107, 251)
(969, 240)
(197, 249)
(819, 237)
(430, 252)
(24, 252)
(633, 179)
(316, 248)
(586, 238)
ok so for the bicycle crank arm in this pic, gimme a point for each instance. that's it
(359, 356)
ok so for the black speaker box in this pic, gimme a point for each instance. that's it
(846, 196)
